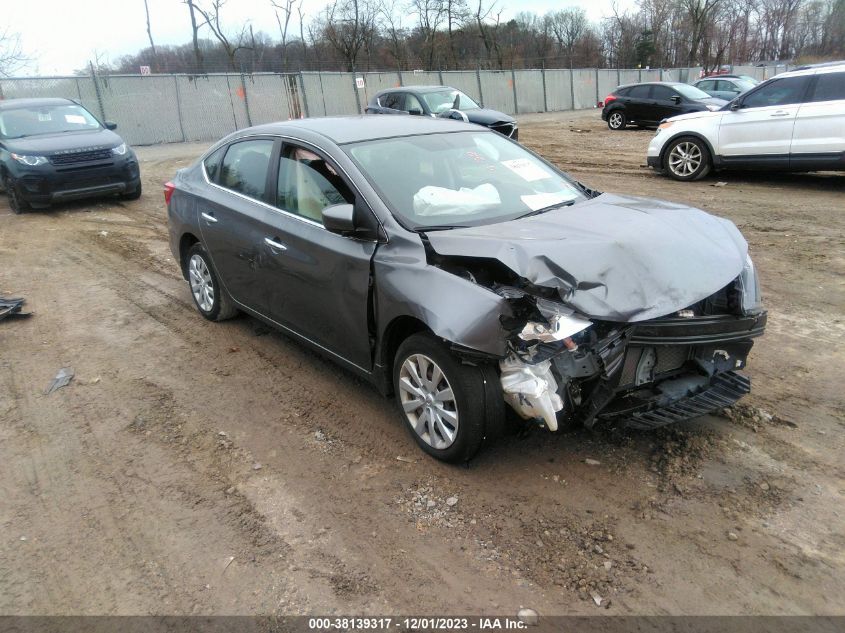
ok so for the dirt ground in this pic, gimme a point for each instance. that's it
(192, 467)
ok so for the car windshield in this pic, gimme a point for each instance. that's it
(443, 100)
(690, 92)
(750, 79)
(49, 119)
(743, 85)
(460, 179)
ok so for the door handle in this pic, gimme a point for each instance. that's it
(208, 217)
(274, 243)
(780, 113)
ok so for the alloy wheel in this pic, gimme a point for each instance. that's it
(685, 159)
(202, 285)
(428, 401)
(616, 120)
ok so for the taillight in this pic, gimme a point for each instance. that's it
(608, 99)
(169, 188)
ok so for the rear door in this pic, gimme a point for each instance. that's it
(819, 134)
(759, 130)
(637, 103)
(232, 216)
(318, 281)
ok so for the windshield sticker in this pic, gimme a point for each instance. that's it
(75, 118)
(44, 116)
(526, 169)
(538, 201)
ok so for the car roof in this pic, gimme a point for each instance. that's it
(12, 104)
(653, 83)
(352, 129)
(417, 89)
(813, 69)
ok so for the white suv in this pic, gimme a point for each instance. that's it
(792, 122)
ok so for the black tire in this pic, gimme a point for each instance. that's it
(477, 398)
(221, 305)
(695, 167)
(16, 203)
(133, 195)
(617, 120)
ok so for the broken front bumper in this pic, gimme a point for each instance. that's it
(675, 369)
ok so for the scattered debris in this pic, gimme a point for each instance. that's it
(319, 435)
(451, 501)
(234, 349)
(256, 466)
(732, 536)
(719, 184)
(104, 233)
(608, 564)
(528, 616)
(63, 377)
(407, 460)
(229, 562)
(12, 308)
(592, 462)
(597, 599)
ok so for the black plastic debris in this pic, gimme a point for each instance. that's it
(12, 308)
(61, 380)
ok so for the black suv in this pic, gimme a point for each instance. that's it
(52, 150)
(648, 104)
(444, 102)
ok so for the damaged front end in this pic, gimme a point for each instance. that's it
(564, 369)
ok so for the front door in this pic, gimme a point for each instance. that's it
(318, 282)
(762, 125)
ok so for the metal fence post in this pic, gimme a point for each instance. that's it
(513, 85)
(97, 92)
(440, 75)
(639, 75)
(355, 88)
(179, 107)
(571, 88)
(246, 101)
(304, 95)
(78, 89)
(598, 98)
(661, 74)
(545, 95)
(478, 78)
(399, 72)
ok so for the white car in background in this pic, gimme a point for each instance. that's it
(792, 122)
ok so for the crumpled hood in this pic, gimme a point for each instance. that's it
(47, 144)
(485, 116)
(619, 258)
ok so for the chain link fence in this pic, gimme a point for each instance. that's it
(177, 108)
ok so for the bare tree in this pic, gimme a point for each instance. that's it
(487, 23)
(12, 58)
(150, 34)
(195, 27)
(568, 26)
(430, 15)
(231, 43)
(283, 20)
(346, 26)
(389, 21)
(699, 13)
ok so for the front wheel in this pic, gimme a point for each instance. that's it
(209, 296)
(134, 194)
(449, 407)
(617, 120)
(16, 203)
(687, 158)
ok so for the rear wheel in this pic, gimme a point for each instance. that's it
(209, 296)
(687, 158)
(16, 203)
(617, 120)
(449, 407)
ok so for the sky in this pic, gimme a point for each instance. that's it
(61, 36)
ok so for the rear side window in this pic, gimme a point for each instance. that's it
(778, 92)
(829, 87)
(662, 93)
(212, 164)
(621, 92)
(706, 85)
(391, 100)
(244, 168)
(639, 92)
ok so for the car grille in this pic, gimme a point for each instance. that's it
(80, 157)
(669, 358)
(503, 128)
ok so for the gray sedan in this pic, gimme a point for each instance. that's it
(727, 88)
(465, 276)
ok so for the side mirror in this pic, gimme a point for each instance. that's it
(415, 111)
(339, 218)
(675, 99)
(111, 125)
(735, 105)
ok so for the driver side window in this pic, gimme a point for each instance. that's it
(777, 93)
(307, 184)
(412, 103)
